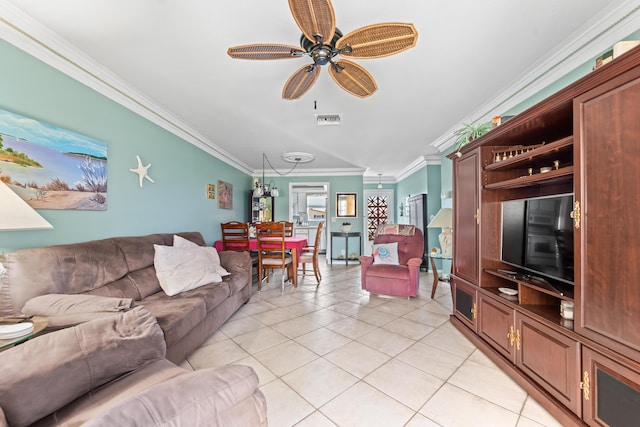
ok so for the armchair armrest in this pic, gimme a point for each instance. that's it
(366, 260)
(414, 262)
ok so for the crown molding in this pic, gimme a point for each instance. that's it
(23, 32)
(269, 173)
(589, 41)
(418, 164)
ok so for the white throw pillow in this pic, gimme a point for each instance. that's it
(181, 242)
(386, 253)
(182, 269)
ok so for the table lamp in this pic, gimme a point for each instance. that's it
(16, 214)
(443, 220)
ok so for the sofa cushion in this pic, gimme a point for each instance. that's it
(112, 394)
(212, 295)
(176, 315)
(206, 397)
(388, 272)
(211, 252)
(121, 288)
(182, 269)
(73, 361)
(63, 269)
(138, 250)
(64, 310)
(145, 281)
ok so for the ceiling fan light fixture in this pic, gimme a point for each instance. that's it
(322, 42)
(297, 157)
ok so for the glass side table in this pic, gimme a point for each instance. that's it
(39, 324)
(436, 278)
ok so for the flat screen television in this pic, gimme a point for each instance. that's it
(537, 236)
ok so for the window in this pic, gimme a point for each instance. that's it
(377, 213)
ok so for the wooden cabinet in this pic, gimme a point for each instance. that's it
(610, 390)
(520, 339)
(466, 223)
(550, 358)
(465, 305)
(497, 326)
(261, 209)
(607, 129)
(581, 140)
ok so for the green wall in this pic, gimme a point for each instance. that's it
(175, 202)
(337, 184)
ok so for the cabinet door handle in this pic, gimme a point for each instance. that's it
(575, 214)
(474, 310)
(511, 336)
(518, 339)
(477, 216)
(585, 386)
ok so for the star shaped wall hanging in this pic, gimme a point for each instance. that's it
(142, 171)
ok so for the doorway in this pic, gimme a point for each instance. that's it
(309, 205)
(379, 209)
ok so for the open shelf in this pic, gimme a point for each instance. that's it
(543, 152)
(558, 175)
(567, 291)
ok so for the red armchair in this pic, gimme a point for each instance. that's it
(389, 279)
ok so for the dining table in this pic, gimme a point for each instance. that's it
(293, 243)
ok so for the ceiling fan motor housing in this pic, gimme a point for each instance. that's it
(320, 52)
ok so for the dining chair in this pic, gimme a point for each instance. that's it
(271, 252)
(288, 228)
(235, 237)
(309, 255)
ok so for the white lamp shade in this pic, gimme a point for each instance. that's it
(442, 219)
(16, 214)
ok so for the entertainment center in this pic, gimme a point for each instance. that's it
(512, 187)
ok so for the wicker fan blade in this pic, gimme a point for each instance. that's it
(265, 51)
(353, 78)
(314, 17)
(300, 82)
(378, 40)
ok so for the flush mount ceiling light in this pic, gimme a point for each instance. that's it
(297, 157)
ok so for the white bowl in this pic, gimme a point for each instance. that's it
(345, 228)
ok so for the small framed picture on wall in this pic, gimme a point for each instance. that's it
(225, 195)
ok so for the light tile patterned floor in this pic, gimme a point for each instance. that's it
(334, 355)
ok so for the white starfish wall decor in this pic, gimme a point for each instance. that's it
(142, 171)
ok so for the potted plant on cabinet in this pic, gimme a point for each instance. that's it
(470, 131)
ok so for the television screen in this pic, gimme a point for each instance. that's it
(537, 236)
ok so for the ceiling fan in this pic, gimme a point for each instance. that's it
(322, 41)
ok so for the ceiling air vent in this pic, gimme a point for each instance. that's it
(328, 119)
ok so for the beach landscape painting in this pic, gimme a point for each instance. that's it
(50, 167)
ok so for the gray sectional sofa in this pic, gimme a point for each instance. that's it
(123, 267)
(112, 360)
